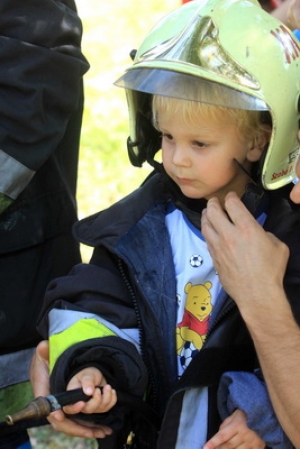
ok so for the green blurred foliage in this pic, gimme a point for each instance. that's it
(111, 30)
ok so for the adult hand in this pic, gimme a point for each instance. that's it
(293, 14)
(243, 252)
(39, 370)
(39, 377)
(251, 264)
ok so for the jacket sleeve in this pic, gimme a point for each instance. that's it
(90, 321)
(247, 392)
(41, 69)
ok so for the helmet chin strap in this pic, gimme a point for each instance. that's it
(255, 196)
(242, 168)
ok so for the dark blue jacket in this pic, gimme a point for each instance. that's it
(130, 282)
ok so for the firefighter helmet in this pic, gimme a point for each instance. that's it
(252, 57)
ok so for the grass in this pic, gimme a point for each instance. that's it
(111, 30)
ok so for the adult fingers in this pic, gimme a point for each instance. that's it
(76, 429)
(237, 211)
(39, 370)
(214, 218)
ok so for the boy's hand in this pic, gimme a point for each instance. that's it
(101, 401)
(234, 433)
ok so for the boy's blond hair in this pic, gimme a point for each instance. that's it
(250, 124)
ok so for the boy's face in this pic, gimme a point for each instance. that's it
(201, 160)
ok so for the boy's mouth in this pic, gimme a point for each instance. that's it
(183, 180)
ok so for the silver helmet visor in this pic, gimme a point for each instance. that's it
(188, 87)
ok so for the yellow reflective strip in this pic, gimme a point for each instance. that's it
(81, 330)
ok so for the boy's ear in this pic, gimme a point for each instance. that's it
(255, 153)
(259, 144)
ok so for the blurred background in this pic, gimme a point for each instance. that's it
(111, 29)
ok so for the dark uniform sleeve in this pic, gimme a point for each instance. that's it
(41, 69)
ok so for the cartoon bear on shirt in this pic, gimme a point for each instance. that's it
(195, 322)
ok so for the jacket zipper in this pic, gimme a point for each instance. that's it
(140, 329)
(229, 305)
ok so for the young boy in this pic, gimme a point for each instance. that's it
(148, 316)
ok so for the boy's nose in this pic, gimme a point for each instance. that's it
(180, 156)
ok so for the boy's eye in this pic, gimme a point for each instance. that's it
(167, 136)
(199, 144)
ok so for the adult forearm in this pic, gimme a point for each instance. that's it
(242, 253)
(276, 336)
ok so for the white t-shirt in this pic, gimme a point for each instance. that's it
(199, 291)
(198, 286)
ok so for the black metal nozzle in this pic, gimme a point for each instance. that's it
(42, 406)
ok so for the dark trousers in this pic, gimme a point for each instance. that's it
(14, 440)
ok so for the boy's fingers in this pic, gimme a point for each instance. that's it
(218, 439)
(102, 401)
(73, 409)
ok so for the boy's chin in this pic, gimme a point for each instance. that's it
(191, 193)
